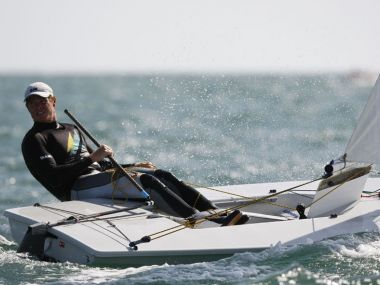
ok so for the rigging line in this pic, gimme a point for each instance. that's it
(174, 229)
(216, 190)
(52, 209)
(115, 188)
(168, 233)
(96, 225)
(242, 196)
(332, 190)
(83, 219)
(125, 217)
(245, 197)
(113, 237)
(192, 224)
(116, 174)
(354, 176)
(90, 217)
(55, 210)
(261, 199)
(196, 200)
(117, 228)
(163, 233)
(93, 221)
(249, 198)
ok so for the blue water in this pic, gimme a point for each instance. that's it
(209, 130)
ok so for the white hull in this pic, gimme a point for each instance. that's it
(106, 241)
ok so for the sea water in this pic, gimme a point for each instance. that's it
(208, 129)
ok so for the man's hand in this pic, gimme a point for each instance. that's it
(145, 164)
(102, 152)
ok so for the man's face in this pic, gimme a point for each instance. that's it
(41, 109)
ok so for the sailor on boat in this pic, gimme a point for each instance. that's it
(58, 156)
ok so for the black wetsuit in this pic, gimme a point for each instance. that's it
(57, 154)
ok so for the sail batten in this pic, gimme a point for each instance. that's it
(364, 144)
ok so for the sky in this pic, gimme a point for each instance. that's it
(65, 36)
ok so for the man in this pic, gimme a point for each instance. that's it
(58, 156)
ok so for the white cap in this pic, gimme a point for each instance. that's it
(38, 88)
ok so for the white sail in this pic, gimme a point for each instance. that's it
(364, 144)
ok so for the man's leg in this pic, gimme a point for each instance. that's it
(173, 204)
(190, 195)
(165, 199)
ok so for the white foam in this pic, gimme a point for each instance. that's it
(354, 246)
(369, 250)
(4, 241)
(237, 267)
(95, 275)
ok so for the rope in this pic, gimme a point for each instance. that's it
(116, 228)
(117, 186)
(80, 218)
(216, 190)
(352, 177)
(55, 210)
(114, 177)
(245, 197)
(116, 174)
(192, 224)
(196, 200)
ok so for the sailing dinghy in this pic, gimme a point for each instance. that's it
(129, 233)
